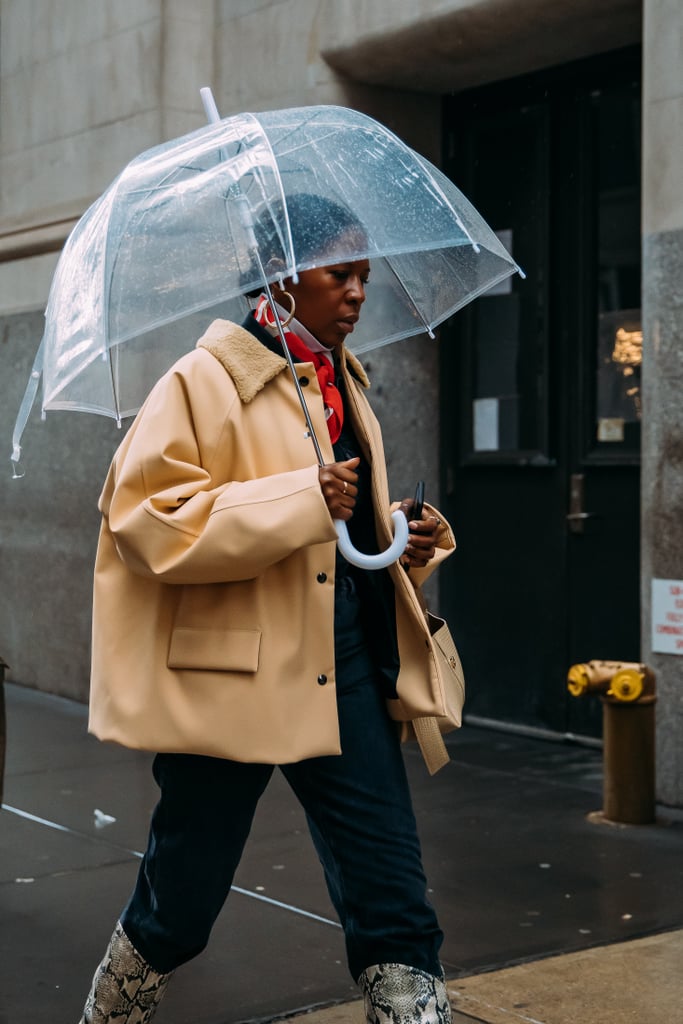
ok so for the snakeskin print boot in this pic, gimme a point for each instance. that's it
(397, 994)
(125, 988)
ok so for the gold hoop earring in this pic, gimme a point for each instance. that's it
(290, 317)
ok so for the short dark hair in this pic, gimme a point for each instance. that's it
(315, 222)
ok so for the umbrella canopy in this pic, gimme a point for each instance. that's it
(176, 234)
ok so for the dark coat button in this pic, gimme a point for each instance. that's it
(304, 381)
(322, 680)
(321, 577)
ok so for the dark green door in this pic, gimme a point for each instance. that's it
(540, 393)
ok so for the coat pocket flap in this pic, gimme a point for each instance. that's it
(217, 650)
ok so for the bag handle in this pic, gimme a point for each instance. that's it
(431, 743)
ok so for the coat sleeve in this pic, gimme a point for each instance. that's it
(445, 546)
(171, 520)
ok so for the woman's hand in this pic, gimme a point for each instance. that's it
(338, 483)
(421, 546)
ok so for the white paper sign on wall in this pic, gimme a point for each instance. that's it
(667, 616)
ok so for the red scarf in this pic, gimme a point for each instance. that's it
(334, 407)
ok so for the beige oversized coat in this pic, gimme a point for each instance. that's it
(214, 580)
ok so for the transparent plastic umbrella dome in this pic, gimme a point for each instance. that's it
(171, 240)
(191, 227)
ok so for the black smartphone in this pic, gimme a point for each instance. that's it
(418, 501)
(416, 510)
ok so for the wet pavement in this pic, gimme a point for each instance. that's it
(540, 903)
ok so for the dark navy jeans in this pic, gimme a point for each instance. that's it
(359, 813)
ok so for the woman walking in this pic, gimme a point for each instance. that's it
(230, 637)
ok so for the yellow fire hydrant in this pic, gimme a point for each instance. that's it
(627, 691)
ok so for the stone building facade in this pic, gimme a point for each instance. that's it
(87, 84)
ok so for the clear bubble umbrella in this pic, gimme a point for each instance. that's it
(190, 227)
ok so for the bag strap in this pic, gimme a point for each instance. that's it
(431, 743)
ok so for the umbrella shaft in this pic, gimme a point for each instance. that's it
(295, 376)
(309, 422)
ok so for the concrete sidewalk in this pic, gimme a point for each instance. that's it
(548, 916)
(636, 982)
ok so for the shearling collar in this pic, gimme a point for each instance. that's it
(250, 364)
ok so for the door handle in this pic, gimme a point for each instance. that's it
(576, 517)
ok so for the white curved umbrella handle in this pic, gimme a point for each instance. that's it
(384, 558)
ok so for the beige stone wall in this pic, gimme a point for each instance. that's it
(78, 84)
(87, 84)
(440, 45)
(662, 476)
(275, 59)
(663, 116)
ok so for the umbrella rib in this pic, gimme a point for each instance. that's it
(410, 298)
(293, 131)
(442, 197)
(117, 407)
(26, 405)
(278, 177)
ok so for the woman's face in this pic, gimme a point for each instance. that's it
(328, 299)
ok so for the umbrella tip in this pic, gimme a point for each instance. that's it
(17, 469)
(209, 103)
